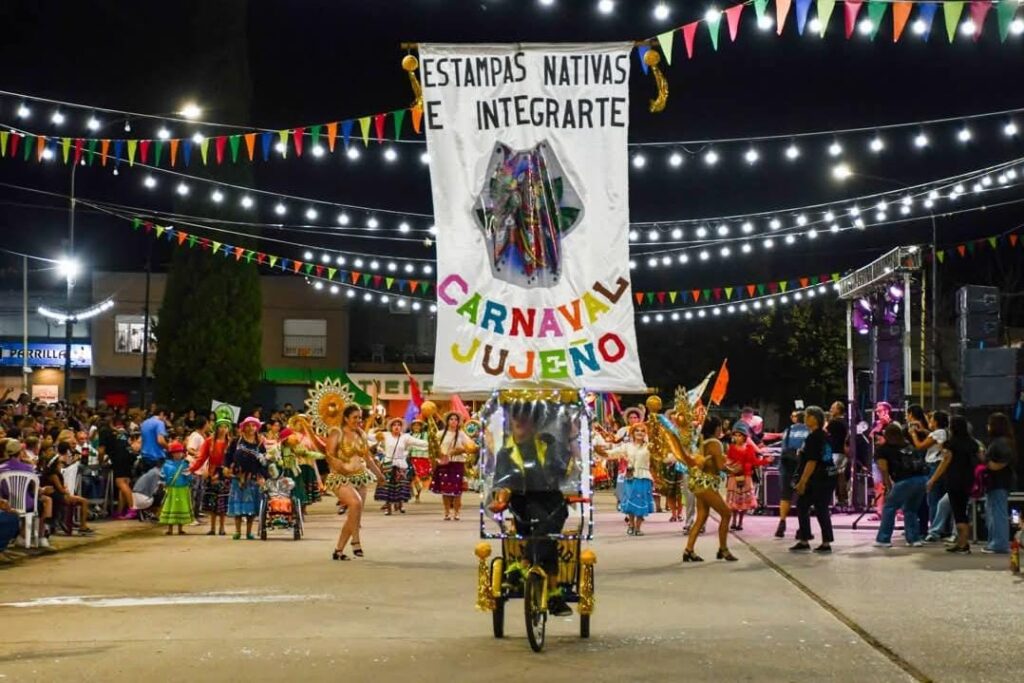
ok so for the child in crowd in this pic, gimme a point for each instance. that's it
(177, 507)
(740, 461)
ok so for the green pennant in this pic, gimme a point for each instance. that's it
(364, 127)
(760, 6)
(3, 142)
(204, 147)
(234, 142)
(760, 289)
(192, 241)
(815, 280)
(314, 133)
(728, 293)
(783, 286)
(825, 8)
(283, 137)
(248, 255)
(366, 279)
(26, 147)
(672, 296)
(136, 223)
(970, 247)
(876, 13)
(1004, 13)
(65, 147)
(331, 272)
(706, 293)
(132, 144)
(90, 150)
(389, 281)
(158, 151)
(714, 21)
(308, 268)
(941, 256)
(398, 116)
(992, 241)
(649, 298)
(666, 40)
(952, 12)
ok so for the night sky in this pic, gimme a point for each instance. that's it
(320, 60)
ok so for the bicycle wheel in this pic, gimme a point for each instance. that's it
(536, 615)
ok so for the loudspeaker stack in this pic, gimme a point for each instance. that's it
(988, 373)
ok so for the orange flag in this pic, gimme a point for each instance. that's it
(250, 144)
(721, 384)
(900, 14)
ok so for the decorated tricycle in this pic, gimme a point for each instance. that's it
(534, 469)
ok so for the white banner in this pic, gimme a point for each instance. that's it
(529, 172)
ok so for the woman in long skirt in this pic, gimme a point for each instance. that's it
(246, 459)
(217, 486)
(419, 459)
(451, 467)
(395, 490)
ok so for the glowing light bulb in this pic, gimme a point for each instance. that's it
(801, 220)
(865, 26)
(661, 11)
(318, 151)
(711, 157)
(841, 171)
(308, 255)
(775, 224)
(683, 259)
(746, 248)
(653, 236)
(877, 144)
(182, 189)
(835, 149)
(343, 218)
(677, 234)
(311, 214)
(675, 160)
(57, 118)
(639, 161)
(920, 141)
(163, 134)
(634, 235)
(217, 196)
(352, 153)
(403, 227)
(190, 111)
(704, 255)
(23, 111)
(702, 232)
(390, 155)
(1010, 129)
(149, 182)
(792, 152)
(722, 230)
(325, 258)
(372, 223)
(765, 23)
(247, 202)
(606, 6)
(280, 209)
(751, 156)
(93, 123)
(424, 158)
(964, 135)
(919, 27)
(1017, 27)
(968, 28)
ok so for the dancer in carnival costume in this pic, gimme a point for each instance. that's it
(350, 461)
(741, 459)
(451, 466)
(419, 458)
(177, 507)
(210, 462)
(637, 501)
(246, 459)
(704, 467)
(395, 489)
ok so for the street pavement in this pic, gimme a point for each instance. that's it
(200, 608)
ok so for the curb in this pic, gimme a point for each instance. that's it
(20, 556)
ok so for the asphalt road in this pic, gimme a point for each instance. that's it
(197, 608)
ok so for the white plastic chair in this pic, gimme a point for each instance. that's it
(17, 485)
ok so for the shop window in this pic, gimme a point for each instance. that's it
(305, 338)
(128, 334)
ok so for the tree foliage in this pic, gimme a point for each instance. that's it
(209, 331)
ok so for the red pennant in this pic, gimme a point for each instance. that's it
(319, 271)
(695, 294)
(689, 31)
(639, 296)
(218, 146)
(961, 249)
(144, 149)
(332, 135)
(78, 150)
(979, 10)
(661, 297)
(297, 136)
(851, 9)
(378, 125)
(732, 16)
(16, 140)
(204, 243)
(377, 279)
(182, 236)
(1013, 239)
(260, 257)
(296, 265)
(717, 291)
(148, 226)
(751, 289)
(773, 287)
(804, 281)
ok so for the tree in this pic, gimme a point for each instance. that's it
(209, 331)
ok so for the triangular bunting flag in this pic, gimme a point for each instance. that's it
(649, 297)
(266, 139)
(751, 289)
(182, 236)
(970, 248)
(272, 260)
(717, 291)
(319, 271)
(260, 257)
(307, 267)
(131, 151)
(760, 289)
(296, 265)
(346, 132)
(661, 297)
(979, 10)
(732, 18)
(332, 135)
(191, 241)
(689, 31)
(992, 241)
(781, 11)
(417, 117)
(413, 284)
(696, 295)
(234, 142)
(174, 151)
(835, 277)
(401, 285)
(148, 226)
(366, 279)
(850, 10)
(805, 282)
(1013, 239)
(250, 144)
(378, 127)
(186, 151)
(144, 151)
(714, 22)
(926, 14)
(4, 135)
(639, 296)
(65, 146)
(760, 7)
(900, 14)
(204, 149)
(331, 272)
(783, 286)
(297, 135)
(666, 40)
(136, 222)
(672, 296)
(238, 253)
(707, 294)
(802, 8)
(397, 117)
(364, 128)
(285, 264)
(215, 246)
(377, 279)
(825, 8)
(314, 134)
(219, 144)
(728, 293)
(773, 287)
(78, 150)
(941, 256)
(876, 13)
(158, 152)
(282, 137)
(1004, 14)
(962, 250)
(952, 11)
(160, 231)
(104, 149)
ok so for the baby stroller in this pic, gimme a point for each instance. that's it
(279, 509)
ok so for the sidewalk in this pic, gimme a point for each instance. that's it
(106, 532)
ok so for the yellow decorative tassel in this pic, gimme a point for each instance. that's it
(484, 597)
(411, 64)
(587, 561)
(652, 59)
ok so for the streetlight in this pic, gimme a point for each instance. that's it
(68, 318)
(190, 111)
